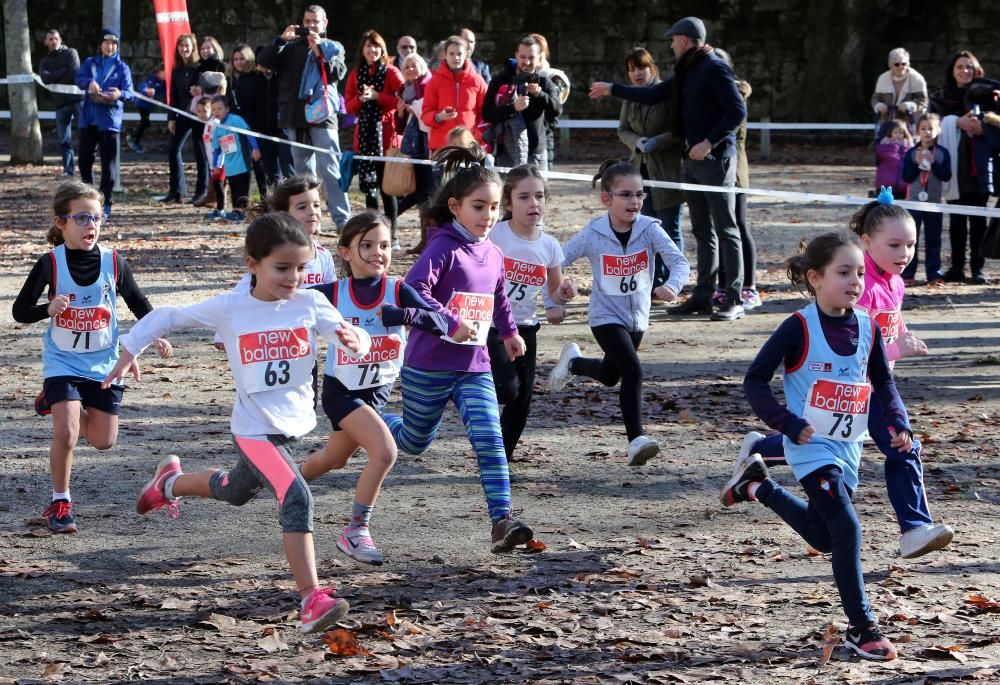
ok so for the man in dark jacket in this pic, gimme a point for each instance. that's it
(521, 100)
(706, 109)
(60, 67)
(288, 56)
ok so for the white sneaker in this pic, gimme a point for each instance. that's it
(561, 374)
(917, 542)
(641, 450)
(749, 440)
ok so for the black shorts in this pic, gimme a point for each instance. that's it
(338, 401)
(88, 392)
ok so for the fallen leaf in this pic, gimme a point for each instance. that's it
(273, 643)
(217, 622)
(343, 642)
(535, 545)
(180, 604)
(53, 671)
(943, 652)
(828, 642)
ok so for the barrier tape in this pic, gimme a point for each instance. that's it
(934, 208)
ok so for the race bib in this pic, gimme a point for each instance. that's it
(838, 411)
(889, 324)
(476, 310)
(379, 367)
(227, 143)
(82, 329)
(626, 275)
(524, 281)
(276, 359)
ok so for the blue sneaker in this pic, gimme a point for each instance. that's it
(214, 214)
(107, 211)
(59, 517)
(234, 216)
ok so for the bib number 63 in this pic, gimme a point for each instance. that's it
(277, 374)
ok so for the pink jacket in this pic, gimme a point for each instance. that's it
(883, 299)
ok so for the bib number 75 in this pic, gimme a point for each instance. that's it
(516, 292)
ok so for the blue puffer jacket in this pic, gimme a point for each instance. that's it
(109, 72)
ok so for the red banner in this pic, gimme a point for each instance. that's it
(171, 21)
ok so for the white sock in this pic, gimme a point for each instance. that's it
(168, 486)
(61, 495)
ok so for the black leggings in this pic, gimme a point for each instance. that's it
(90, 140)
(964, 229)
(389, 202)
(514, 381)
(620, 362)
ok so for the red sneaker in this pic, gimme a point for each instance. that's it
(321, 609)
(869, 643)
(59, 517)
(151, 497)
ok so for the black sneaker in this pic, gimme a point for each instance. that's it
(749, 469)
(508, 533)
(979, 278)
(42, 406)
(691, 306)
(59, 517)
(954, 276)
(869, 643)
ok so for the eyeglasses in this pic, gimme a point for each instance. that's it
(900, 64)
(84, 220)
(626, 195)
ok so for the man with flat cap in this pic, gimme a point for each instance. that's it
(705, 108)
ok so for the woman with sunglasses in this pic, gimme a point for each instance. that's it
(900, 92)
(81, 281)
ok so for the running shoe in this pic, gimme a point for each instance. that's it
(59, 517)
(321, 609)
(508, 533)
(358, 545)
(749, 469)
(918, 541)
(151, 497)
(869, 643)
(641, 450)
(561, 374)
(751, 298)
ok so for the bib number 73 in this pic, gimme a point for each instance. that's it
(842, 422)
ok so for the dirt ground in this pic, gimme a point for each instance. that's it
(644, 579)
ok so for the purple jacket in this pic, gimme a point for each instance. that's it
(451, 263)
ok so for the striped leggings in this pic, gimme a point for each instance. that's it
(426, 394)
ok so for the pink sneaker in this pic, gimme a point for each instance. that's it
(151, 497)
(358, 545)
(321, 609)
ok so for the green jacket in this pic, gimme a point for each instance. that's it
(664, 162)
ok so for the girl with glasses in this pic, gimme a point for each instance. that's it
(82, 281)
(621, 246)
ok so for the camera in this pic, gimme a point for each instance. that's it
(526, 78)
(302, 31)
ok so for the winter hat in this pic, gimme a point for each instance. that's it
(692, 27)
(109, 34)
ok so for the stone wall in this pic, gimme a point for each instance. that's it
(807, 61)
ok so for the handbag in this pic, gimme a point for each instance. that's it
(322, 109)
(990, 248)
(399, 178)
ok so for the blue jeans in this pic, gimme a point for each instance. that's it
(329, 166)
(904, 472)
(828, 523)
(64, 130)
(932, 223)
(670, 219)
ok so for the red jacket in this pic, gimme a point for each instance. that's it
(387, 101)
(464, 91)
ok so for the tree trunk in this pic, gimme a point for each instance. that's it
(25, 134)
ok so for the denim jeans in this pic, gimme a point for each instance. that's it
(932, 224)
(64, 130)
(713, 222)
(329, 166)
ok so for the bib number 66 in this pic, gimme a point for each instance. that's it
(627, 284)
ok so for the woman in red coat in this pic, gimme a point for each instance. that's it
(371, 97)
(454, 96)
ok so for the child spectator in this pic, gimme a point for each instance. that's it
(894, 141)
(153, 86)
(228, 147)
(925, 167)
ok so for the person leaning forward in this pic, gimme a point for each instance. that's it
(706, 109)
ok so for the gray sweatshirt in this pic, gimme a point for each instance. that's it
(623, 278)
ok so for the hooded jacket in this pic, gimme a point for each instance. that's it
(498, 106)
(449, 264)
(108, 72)
(597, 240)
(464, 90)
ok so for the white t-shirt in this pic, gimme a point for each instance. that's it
(271, 348)
(525, 266)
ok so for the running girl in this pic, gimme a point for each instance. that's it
(620, 246)
(270, 339)
(356, 389)
(532, 261)
(829, 352)
(83, 281)
(888, 234)
(461, 275)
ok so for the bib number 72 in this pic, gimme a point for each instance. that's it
(367, 379)
(845, 420)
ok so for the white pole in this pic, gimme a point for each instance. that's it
(111, 18)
